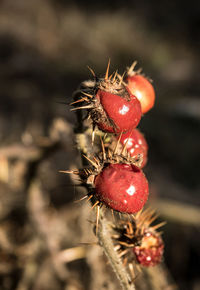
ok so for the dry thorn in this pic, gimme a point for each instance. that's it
(117, 144)
(154, 217)
(95, 204)
(87, 171)
(159, 225)
(123, 253)
(131, 68)
(81, 108)
(93, 163)
(111, 76)
(96, 160)
(145, 214)
(139, 71)
(78, 101)
(130, 228)
(93, 134)
(103, 149)
(114, 77)
(84, 197)
(69, 171)
(110, 154)
(91, 70)
(138, 214)
(107, 70)
(86, 94)
(126, 244)
(90, 197)
(122, 79)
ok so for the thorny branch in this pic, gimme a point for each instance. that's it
(106, 242)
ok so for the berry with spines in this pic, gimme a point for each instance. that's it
(115, 180)
(110, 104)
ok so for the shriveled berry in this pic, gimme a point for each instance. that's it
(142, 89)
(122, 187)
(150, 252)
(135, 144)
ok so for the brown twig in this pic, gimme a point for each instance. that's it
(106, 243)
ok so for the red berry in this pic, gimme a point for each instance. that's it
(143, 90)
(135, 144)
(150, 252)
(122, 187)
(123, 111)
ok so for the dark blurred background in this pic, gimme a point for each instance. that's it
(45, 47)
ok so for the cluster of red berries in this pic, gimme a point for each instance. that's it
(115, 105)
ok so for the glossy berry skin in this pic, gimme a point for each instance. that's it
(122, 187)
(120, 113)
(150, 252)
(136, 144)
(143, 90)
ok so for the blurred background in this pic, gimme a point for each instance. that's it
(45, 47)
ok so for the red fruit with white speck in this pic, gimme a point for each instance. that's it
(119, 112)
(122, 187)
(135, 144)
(141, 87)
(150, 252)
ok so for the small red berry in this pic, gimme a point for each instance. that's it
(111, 105)
(150, 252)
(142, 89)
(122, 187)
(135, 144)
(123, 111)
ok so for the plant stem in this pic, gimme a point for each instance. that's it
(105, 240)
(104, 233)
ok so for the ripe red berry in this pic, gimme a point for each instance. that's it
(119, 112)
(111, 105)
(122, 187)
(142, 89)
(135, 144)
(150, 252)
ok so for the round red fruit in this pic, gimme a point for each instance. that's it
(135, 144)
(121, 113)
(150, 252)
(143, 90)
(122, 187)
